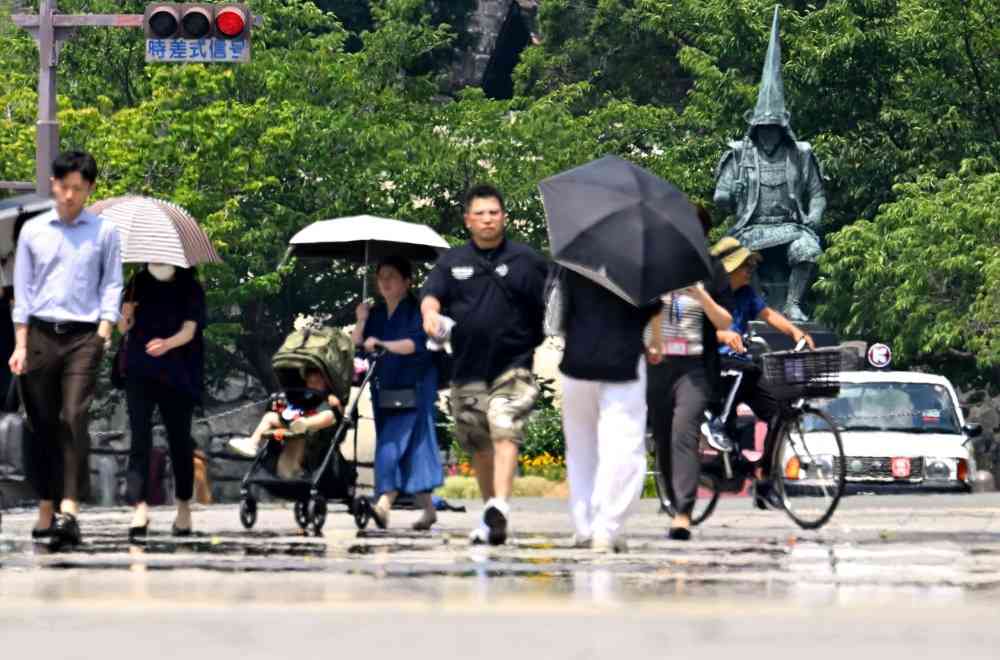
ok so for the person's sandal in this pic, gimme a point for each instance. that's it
(179, 531)
(679, 534)
(380, 517)
(424, 523)
(137, 532)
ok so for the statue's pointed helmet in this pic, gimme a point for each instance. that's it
(770, 109)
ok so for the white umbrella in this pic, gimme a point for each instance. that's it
(364, 238)
(157, 231)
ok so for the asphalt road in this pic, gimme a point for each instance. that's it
(888, 577)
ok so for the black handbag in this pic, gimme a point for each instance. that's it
(399, 399)
(118, 363)
(118, 366)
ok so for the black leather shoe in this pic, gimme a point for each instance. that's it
(180, 531)
(44, 534)
(67, 529)
(137, 533)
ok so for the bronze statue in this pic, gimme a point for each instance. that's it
(774, 185)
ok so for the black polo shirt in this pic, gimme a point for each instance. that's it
(494, 330)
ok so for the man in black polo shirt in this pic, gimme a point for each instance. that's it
(493, 289)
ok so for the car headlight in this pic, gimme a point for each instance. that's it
(817, 466)
(939, 468)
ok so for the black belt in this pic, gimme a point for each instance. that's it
(64, 327)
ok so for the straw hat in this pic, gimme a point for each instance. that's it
(733, 254)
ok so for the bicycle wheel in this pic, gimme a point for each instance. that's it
(704, 504)
(809, 470)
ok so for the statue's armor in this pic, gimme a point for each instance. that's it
(775, 205)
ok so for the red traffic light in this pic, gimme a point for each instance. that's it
(230, 22)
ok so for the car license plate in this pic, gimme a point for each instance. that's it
(901, 467)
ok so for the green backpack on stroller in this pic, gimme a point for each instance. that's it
(317, 347)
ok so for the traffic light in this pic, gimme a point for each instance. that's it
(197, 21)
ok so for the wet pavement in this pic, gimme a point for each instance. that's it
(893, 574)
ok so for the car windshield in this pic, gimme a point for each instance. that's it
(906, 407)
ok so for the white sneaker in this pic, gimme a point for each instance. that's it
(495, 516)
(246, 447)
(609, 544)
(480, 535)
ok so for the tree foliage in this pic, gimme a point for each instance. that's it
(924, 272)
(342, 112)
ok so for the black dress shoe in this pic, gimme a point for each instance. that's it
(44, 534)
(180, 531)
(679, 534)
(138, 532)
(67, 529)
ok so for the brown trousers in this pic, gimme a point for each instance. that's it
(57, 389)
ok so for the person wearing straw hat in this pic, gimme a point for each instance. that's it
(739, 262)
(67, 285)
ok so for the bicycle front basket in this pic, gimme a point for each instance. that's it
(809, 374)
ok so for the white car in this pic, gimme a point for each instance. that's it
(903, 431)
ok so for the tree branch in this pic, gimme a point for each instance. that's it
(978, 75)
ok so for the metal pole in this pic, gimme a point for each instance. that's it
(47, 136)
(364, 276)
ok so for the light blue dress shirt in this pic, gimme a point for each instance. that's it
(67, 272)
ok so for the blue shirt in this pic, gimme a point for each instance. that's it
(67, 272)
(399, 371)
(747, 306)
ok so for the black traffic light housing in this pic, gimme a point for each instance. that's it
(197, 20)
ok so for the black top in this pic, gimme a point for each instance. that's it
(603, 332)
(161, 310)
(495, 330)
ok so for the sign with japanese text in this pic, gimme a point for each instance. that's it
(197, 50)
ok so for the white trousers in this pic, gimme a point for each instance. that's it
(605, 426)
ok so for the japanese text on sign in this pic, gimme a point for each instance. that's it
(197, 50)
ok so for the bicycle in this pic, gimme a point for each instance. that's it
(807, 466)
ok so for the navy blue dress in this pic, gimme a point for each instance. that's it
(406, 451)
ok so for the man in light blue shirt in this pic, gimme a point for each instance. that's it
(67, 290)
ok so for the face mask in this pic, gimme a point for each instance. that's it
(162, 272)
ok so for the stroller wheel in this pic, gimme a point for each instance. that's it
(362, 511)
(317, 513)
(248, 512)
(302, 513)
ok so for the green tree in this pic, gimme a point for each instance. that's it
(923, 274)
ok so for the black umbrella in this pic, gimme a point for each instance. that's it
(624, 228)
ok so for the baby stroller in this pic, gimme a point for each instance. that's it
(329, 476)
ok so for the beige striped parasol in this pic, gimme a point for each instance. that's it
(156, 231)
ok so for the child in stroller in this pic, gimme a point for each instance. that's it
(297, 411)
(296, 446)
